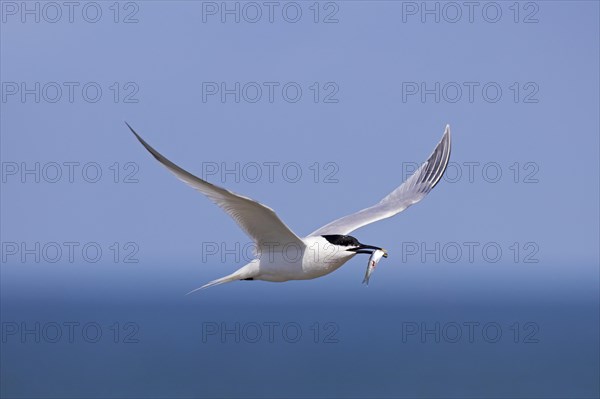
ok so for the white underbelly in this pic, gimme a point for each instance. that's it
(313, 262)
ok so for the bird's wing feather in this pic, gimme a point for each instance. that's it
(413, 190)
(260, 222)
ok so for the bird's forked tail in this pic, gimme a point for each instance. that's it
(240, 274)
(222, 280)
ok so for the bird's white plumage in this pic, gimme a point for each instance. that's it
(413, 190)
(259, 221)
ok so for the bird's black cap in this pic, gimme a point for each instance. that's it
(342, 240)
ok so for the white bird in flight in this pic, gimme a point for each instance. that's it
(280, 254)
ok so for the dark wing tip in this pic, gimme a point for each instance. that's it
(445, 146)
(135, 134)
(147, 146)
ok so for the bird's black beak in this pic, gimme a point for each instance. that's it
(367, 249)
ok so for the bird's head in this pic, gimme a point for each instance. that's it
(351, 244)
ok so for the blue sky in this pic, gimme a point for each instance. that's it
(358, 122)
(371, 60)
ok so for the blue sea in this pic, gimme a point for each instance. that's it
(415, 331)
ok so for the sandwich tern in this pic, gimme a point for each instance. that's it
(280, 254)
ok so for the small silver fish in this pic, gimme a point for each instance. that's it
(373, 260)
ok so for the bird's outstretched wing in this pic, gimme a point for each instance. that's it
(260, 222)
(413, 190)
